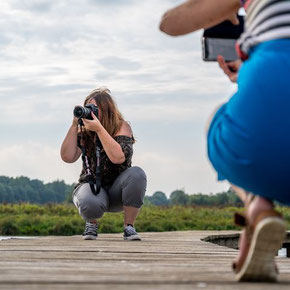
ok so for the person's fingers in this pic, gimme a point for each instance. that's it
(230, 74)
(235, 65)
(234, 19)
(94, 116)
(234, 77)
(221, 62)
(223, 65)
(233, 68)
(85, 121)
(232, 63)
(229, 68)
(220, 59)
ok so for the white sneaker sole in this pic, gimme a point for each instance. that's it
(267, 240)
(133, 238)
(89, 237)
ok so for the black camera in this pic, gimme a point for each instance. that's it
(85, 112)
(221, 39)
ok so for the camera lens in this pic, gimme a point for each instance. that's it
(79, 111)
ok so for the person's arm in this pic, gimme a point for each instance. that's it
(196, 14)
(111, 147)
(70, 151)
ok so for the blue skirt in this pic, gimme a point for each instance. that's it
(249, 137)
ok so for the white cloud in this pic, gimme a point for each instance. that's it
(55, 52)
(168, 172)
(37, 161)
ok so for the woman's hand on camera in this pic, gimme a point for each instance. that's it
(93, 125)
(231, 68)
(75, 122)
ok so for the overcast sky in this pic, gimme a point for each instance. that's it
(54, 52)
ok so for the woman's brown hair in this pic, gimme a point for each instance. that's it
(110, 116)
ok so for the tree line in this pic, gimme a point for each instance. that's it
(22, 189)
(179, 197)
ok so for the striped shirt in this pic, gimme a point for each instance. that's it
(265, 20)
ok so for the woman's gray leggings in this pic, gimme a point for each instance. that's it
(127, 190)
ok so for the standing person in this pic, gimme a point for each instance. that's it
(248, 138)
(122, 186)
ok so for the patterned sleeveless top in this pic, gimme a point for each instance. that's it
(265, 20)
(109, 170)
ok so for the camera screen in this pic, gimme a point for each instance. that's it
(212, 47)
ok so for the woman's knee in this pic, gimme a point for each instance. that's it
(92, 211)
(90, 206)
(137, 173)
(137, 178)
(134, 191)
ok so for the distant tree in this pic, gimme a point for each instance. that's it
(198, 199)
(146, 200)
(178, 197)
(159, 198)
(220, 199)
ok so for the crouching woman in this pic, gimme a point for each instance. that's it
(122, 186)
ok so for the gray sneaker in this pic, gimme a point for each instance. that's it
(91, 231)
(130, 234)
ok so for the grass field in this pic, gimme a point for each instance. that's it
(63, 219)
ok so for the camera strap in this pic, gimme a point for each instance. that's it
(86, 165)
(98, 159)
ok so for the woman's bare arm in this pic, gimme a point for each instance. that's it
(111, 146)
(70, 151)
(196, 14)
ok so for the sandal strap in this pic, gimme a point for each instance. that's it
(240, 220)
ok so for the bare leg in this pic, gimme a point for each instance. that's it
(130, 214)
(253, 208)
(241, 193)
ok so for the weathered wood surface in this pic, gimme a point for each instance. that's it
(172, 260)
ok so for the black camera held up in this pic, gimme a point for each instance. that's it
(221, 40)
(85, 112)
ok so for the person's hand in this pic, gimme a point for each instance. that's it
(231, 68)
(75, 122)
(234, 19)
(93, 125)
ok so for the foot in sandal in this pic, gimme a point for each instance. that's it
(260, 240)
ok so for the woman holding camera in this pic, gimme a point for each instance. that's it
(122, 186)
(248, 138)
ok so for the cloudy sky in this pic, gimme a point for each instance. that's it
(54, 52)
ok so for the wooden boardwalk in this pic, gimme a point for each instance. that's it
(171, 260)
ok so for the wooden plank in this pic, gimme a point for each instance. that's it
(159, 261)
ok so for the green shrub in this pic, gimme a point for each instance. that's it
(64, 219)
